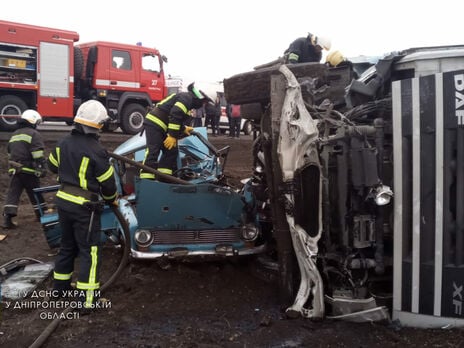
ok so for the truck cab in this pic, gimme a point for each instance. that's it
(125, 78)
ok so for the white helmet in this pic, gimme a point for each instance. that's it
(321, 41)
(91, 114)
(31, 116)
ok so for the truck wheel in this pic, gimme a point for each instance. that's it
(10, 105)
(132, 118)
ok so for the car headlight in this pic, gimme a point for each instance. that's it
(249, 232)
(143, 237)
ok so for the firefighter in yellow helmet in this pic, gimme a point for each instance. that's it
(86, 177)
(307, 49)
(334, 58)
(164, 124)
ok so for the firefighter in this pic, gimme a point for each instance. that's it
(307, 49)
(26, 165)
(85, 173)
(336, 59)
(164, 124)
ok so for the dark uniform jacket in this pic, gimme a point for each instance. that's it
(302, 51)
(83, 166)
(26, 147)
(172, 113)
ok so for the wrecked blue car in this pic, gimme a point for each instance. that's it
(193, 212)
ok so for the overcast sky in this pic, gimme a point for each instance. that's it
(208, 40)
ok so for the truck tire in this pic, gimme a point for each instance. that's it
(78, 63)
(132, 117)
(14, 106)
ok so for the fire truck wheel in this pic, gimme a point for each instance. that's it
(10, 105)
(132, 118)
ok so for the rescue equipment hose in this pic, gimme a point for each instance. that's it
(124, 259)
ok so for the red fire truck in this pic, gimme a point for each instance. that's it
(44, 69)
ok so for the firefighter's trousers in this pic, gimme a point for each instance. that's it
(18, 183)
(168, 163)
(77, 241)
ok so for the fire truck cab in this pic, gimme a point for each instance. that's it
(42, 68)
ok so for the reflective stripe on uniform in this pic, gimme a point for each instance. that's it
(106, 175)
(82, 172)
(53, 160)
(21, 137)
(37, 154)
(92, 283)
(166, 99)
(165, 170)
(174, 126)
(27, 170)
(71, 198)
(62, 276)
(147, 176)
(108, 198)
(293, 56)
(182, 107)
(157, 121)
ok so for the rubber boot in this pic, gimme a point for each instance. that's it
(8, 222)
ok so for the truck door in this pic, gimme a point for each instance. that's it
(122, 70)
(152, 76)
(55, 82)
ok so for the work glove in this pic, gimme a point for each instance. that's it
(187, 130)
(115, 203)
(170, 142)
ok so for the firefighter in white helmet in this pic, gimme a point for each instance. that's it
(164, 124)
(87, 178)
(26, 165)
(307, 49)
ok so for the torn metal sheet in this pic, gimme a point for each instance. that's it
(297, 148)
(369, 315)
(22, 282)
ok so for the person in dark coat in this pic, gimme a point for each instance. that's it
(307, 49)
(164, 124)
(87, 178)
(27, 165)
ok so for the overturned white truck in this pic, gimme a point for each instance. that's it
(363, 180)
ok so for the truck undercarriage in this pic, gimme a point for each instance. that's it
(324, 166)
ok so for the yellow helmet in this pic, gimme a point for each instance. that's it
(334, 58)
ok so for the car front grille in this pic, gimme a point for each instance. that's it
(196, 237)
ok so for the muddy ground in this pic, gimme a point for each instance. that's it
(214, 303)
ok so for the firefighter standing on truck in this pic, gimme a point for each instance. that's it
(164, 125)
(307, 49)
(85, 173)
(27, 165)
